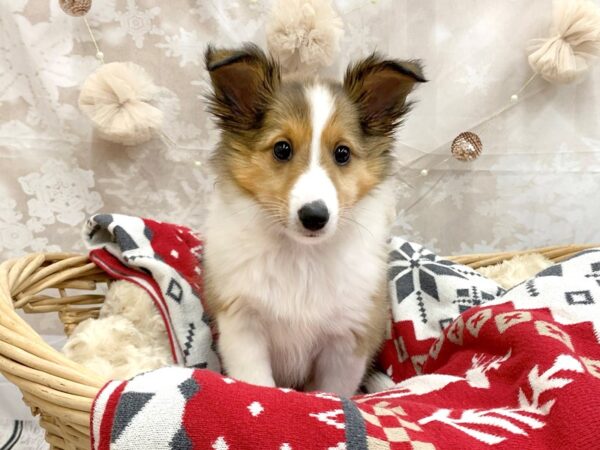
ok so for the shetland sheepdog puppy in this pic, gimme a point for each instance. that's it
(295, 255)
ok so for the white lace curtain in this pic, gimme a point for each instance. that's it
(537, 182)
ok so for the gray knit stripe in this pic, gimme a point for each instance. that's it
(356, 434)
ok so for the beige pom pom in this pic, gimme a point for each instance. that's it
(304, 34)
(574, 42)
(75, 8)
(118, 98)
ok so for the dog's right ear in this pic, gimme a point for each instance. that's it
(243, 81)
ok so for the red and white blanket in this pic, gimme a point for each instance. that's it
(165, 260)
(514, 370)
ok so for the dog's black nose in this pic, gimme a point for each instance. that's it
(314, 215)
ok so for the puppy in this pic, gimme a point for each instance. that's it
(295, 255)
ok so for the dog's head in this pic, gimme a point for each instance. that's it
(306, 150)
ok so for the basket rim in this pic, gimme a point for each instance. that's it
(51, 384)
(65, 390)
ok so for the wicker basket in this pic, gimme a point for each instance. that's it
(59, 390)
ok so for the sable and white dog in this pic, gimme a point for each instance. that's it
(296, 235)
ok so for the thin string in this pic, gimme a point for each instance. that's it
(477, 125)
(508, 105)
(170, 142)
(527, 83)
(425, 172)
(99, 54)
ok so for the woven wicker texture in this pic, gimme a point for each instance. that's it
(59, 390)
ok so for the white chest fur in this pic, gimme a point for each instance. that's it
(301, 295)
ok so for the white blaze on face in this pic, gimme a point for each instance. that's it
(314, 184)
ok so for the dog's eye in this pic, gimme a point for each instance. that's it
(341, 154)
(282, 151)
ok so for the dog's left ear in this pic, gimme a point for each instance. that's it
(379, 87)
(243, 80)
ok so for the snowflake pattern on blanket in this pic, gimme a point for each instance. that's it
(426, 294)
(520, 371)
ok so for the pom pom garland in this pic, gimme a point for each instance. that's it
(118, 98)
(304, 34)
(574, 43)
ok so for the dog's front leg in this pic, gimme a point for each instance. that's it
(338, 368)
(244, 348)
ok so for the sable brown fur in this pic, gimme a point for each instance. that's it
(243, 84)
(379, 87)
